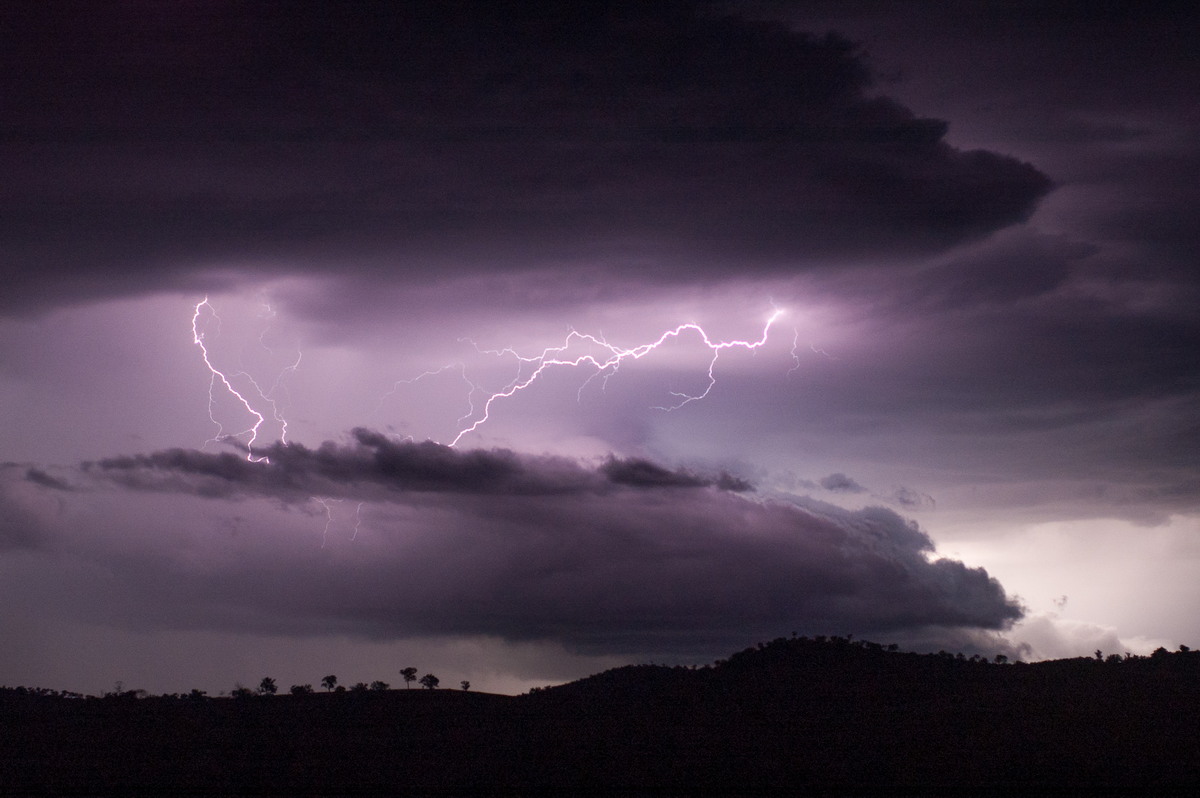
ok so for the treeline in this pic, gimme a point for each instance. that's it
(793, 715)
(795, 653)
(802, 651)
(266, 687)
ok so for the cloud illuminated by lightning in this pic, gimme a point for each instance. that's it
(602, 358)
(607, 363)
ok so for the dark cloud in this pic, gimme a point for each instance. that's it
(375, 466)
(1010, 268)
(643, 473)
(21, 525)
(40, 477)
(418, 139)
(1026, 335)
(840, 483)
(637, 472)
(626, 557)
(17, 531)
(909, 498)
(735, 484)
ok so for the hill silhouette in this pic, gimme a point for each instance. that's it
(793, 716)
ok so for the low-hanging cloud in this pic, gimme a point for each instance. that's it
(374, 466)
(624, 557)
(840, 483)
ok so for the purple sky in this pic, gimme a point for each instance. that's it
(957, 240)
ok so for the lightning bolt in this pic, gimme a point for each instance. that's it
(602, 358)
(472, 388)
(269, 395)
(199, 338)
(796, 354)
(357, 519)
(607, 362)
(327, 503)
(822, 352)
(328, 515)
(279, 385)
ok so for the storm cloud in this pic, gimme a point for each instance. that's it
(625, 557)
(412, 142)
(372, 465)
(394, 207)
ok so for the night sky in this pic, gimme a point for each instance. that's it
(870, 318)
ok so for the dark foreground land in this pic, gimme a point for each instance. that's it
(789, 717)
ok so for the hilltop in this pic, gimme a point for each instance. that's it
(785, 717)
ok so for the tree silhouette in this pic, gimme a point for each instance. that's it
(378, 685)
(301, 689)
(465, 685)
(267, 686)
(329, 682)
(430, 681)
(410, 676)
